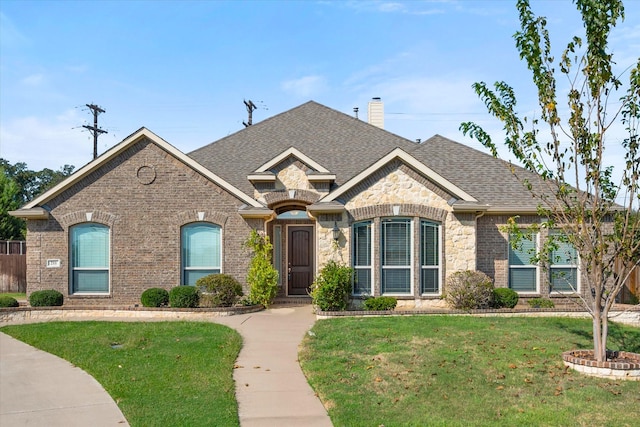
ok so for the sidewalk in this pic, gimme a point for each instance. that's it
(40, 389)
(270, 387)
(37, 388)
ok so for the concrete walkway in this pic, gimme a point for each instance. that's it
(40, 389)
(270, 386)
(37, 388)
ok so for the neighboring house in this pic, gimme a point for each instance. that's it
(406, 214)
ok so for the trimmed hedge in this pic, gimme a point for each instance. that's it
(218, 290)
(541, 303)
(505, 298)
(184, 297)
(7, 301)
(380, 303)
(332, 287)
(46, 298)
(468, 290)
(154, 297)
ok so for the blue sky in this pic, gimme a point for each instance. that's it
(182, 69)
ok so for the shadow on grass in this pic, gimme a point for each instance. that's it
(620, 337)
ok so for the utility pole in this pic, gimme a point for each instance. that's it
(250, 109)
(95, 130)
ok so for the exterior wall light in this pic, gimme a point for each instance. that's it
(336, 231)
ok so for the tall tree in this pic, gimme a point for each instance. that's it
(578, 193)
(18, 186)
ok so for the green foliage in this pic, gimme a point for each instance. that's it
(262, 277)
(505, 298)
(184, 297)
(154, 297)
(468, 290)
(46, 298)
(6, 301)
(332, 287)
(540, 303)
(218, 290)
(380, 303)
(11, 228)
(574, 179)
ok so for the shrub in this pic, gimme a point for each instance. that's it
(505, 298)
(46, 298)
(218, 290)
(262, 277)
(467, 290)
(330, 291)
(380, 303)
(7, 301)
(154, 297)
(541, 303)
(184, 297)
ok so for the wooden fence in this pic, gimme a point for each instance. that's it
(631, 288)
(13, 266)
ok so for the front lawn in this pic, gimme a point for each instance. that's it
(159, 374)
(464, 371)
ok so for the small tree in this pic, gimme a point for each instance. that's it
(262, 277)
(574, 186)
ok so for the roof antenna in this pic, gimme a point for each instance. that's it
(251, 107)
(355, 110)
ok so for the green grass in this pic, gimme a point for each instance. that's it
(16, 295)
(159, 374)
(464, 371)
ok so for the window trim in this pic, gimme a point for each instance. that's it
(371, 257)
(438, 267)
(183, 268)
(536, 267)
(72, 260)
(411, 265)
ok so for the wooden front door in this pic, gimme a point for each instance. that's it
(300, 256)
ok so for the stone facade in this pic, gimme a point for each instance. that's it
(144, 195)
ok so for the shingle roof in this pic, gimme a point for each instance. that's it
(346, 146)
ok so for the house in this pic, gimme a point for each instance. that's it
(322, 184)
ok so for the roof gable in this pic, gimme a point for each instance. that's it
(122, 146)
(409, 160)
(292, 152)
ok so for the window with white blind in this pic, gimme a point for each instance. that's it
(89, 247)
(563, 265)
(429, 257)
(523, 275)
(201, 251)
(396, 256)
(362, 257)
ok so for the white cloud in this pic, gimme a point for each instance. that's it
(33, 80)
(46, 143)
(306, 87)
(10, 36)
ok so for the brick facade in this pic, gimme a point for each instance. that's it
(144, 195)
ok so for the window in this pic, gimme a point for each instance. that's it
(429, 257)
(563, 265)
(362, 248)
(522, 274)
(396, 256)
(201, 251)
(89, 258)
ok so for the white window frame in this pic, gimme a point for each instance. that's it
(536, 240)
(431, 267)
(183, 268)
(72, 261)
(398, 267)
(371, 257)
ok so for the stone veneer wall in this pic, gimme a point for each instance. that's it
(290, 174)
(416, 197)
(144, 195)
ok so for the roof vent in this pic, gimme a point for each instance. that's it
(376, 112)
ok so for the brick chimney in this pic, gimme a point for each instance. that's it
(376, 112)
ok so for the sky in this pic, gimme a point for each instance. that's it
(183, 68)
